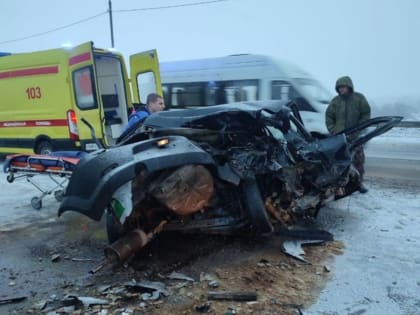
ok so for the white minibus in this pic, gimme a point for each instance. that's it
(244, 77)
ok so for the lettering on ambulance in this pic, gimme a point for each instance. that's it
(34, 123)
(33, 92)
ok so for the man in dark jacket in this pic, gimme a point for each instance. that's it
(346, 110)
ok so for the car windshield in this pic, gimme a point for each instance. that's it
(312, 89)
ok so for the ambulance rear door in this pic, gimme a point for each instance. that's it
(145, 75)
(86, 98)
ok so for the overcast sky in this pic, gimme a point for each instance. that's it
(376, 42)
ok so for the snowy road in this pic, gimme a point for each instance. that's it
(378, 272)
(395, 154)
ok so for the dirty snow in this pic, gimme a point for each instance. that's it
(378, 272)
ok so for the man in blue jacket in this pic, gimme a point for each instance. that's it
(154, 104)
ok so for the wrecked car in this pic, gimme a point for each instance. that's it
(249, 166)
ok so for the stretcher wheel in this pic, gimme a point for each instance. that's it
(10, 178)
(36, 203)
(58, 195)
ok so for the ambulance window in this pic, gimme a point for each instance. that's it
(146, 83)
(84, 89)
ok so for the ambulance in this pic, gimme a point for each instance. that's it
(45, 95)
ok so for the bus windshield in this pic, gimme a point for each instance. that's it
(312, 89)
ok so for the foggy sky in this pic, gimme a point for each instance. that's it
(376, 42)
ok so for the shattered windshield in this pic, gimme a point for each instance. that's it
(312, 89)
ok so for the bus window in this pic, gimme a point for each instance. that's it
(314, 90)
(165, 92)
(223, 92)
(216, 93)
(186, 94)
(243, 90)
(283, 90)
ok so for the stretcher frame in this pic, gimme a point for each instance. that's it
(21, 166)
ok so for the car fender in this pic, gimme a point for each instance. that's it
(100, 174)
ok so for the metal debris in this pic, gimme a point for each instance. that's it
(81, 259)
(87, 300)
(231, 311)
(104, 288)
(15, 299)
(150, 296)
(206, 277)
(67, 309)
(203, 308)
(232, 296)
(101, 265)
(73, 301)
(294, 248)
(148, 286)
(179, 276)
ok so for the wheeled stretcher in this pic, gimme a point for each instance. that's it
(58, 166)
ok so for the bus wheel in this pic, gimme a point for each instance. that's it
(43, 147)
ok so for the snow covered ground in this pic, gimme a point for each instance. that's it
(15, 199)
(378, 272)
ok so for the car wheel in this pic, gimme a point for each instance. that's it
(44, 147)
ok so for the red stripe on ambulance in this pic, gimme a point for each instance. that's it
(34, 123)
(28, 72)
(79, 58)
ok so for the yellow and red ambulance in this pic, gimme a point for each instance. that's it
(45, 94)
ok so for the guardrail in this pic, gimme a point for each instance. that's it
(409, 124)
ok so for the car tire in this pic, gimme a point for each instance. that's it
(44, 147)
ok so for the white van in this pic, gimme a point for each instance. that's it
(245, 77)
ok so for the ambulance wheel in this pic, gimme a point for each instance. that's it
(114, 229)
(44, 147)
(36, 203)
(58, 195)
